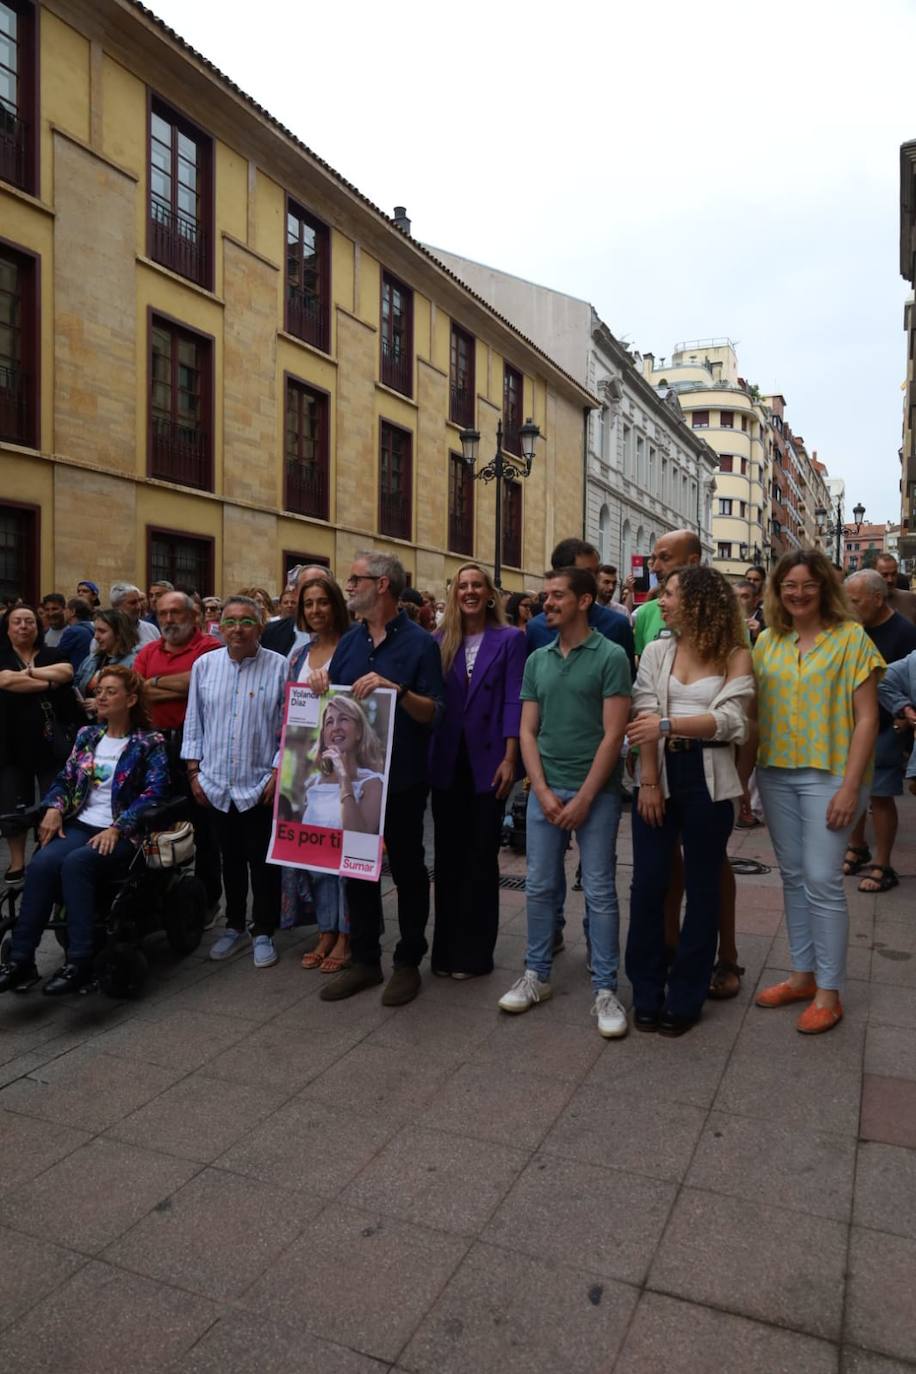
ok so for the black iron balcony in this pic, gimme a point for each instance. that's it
(15, 405)
(306, 489)
(307, 317)
(396, 366)
(178, 242)
(394, 515)
(181, 453)
(13, 160)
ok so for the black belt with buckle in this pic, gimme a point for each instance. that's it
(678, 744)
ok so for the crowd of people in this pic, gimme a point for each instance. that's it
(787, 699)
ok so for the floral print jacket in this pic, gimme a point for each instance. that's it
(141, 778)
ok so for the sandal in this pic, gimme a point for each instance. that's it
(861, 854)
(719, 989)
(334, 965)
(314, 959)
(883, 883)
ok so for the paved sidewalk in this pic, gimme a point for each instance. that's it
(230, 1175)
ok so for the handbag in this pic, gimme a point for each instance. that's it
(170, 848)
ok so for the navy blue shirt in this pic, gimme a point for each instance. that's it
(75, 643)
(611, 624)
(409, 656)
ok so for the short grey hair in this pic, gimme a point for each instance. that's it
(247, 601)
(188, 600)
(121, 589)
(386, 565)
(163, 582)
(872, 582)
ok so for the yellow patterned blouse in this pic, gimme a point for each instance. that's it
(805, 705)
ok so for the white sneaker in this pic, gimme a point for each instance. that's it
(228, 943)
(526, 993)
(612, 1019)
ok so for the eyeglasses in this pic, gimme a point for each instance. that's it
(359, 577)
(243, 622)
(806, 587)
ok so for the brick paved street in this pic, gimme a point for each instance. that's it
(230, 1175)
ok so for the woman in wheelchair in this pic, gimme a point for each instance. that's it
(117, 769)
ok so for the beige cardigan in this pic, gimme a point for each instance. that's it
(728, 706)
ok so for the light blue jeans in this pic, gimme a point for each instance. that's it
(597, 841)
(328, 894)
(810, 859)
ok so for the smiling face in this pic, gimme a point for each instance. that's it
(669, 601)
(472, 593)
(104, 636)
(562, 607)
(288, 603)
(317, 612)
(240, 628)
(340, 731)
(800, 593)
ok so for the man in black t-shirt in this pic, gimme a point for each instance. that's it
(894, 636)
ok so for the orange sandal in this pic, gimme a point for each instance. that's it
(334, 965)
(814, 1020)
(782, 994)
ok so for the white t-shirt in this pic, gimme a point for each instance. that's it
(97, 810)
(472, 645)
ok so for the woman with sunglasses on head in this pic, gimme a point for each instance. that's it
(474, 761)
(817, 680)
(691, 701)
(117, 769)
(321, 619)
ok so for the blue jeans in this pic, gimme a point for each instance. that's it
(328, 896)
(811, 863)
(66, 869)
(704, 826)
(597, 841)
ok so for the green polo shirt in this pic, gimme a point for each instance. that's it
(647, 624)
(570, 693)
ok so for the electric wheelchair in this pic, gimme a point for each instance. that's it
(147, 898)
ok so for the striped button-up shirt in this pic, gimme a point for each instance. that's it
(235, 711)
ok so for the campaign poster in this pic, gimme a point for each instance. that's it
(332, 782)
(643, 579)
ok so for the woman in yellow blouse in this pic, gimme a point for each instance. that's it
(817, 693)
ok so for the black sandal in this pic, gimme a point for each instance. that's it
(853, 866)
(887, 880)
(724, 969)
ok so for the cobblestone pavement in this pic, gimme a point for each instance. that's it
(230, 1175)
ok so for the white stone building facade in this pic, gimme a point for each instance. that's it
(647, 472)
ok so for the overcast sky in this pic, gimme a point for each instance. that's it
(693, 170)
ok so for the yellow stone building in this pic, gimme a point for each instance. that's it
(217, 358)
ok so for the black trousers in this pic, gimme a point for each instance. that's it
(207, 867)
(404, 841)
(468, 827)
(243, 840)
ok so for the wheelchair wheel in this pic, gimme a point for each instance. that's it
(186, 915)
(121, 970)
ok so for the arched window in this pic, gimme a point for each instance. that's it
(641, 541)
(604, 535)
(626, 543)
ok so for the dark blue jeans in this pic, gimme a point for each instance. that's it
(67, 870)
(704, 827)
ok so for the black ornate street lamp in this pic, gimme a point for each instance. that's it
(835, 527)
(500, 469)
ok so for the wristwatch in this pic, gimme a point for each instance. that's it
(664, 726)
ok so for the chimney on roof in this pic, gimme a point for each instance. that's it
(400, 218)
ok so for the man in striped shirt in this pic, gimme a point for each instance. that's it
(230, 744)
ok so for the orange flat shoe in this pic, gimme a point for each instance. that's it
(814, 1020)
(781, 994)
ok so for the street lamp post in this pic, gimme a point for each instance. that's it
(835, 527)
(498, 470)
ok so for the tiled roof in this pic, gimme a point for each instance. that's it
(353, 190)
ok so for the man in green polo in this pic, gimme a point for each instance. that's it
(575, 705)
(677, 549)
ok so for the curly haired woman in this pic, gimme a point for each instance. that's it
(691, 702)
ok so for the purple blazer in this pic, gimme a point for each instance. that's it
(487, 709)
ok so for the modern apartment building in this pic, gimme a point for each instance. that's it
(218, 358)
(646, 470)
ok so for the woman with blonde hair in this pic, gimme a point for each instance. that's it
(346, 791)
(474, 761)
(817, 680)
(691, 701)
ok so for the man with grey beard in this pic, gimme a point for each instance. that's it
(166, 665)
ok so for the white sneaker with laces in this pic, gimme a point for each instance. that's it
(612, 1019)
(526, 993)
(265, 953)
